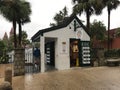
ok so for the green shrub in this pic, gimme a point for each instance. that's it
(112, 53)
(118, 52)
(4, 59)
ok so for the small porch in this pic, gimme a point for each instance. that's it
(47, 53)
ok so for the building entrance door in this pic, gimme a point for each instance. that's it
(74, 52)
(50, 56)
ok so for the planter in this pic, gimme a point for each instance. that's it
(19, 62)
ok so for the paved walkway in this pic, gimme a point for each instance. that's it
(96, 78)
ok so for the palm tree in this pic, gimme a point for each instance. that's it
(23, 17)
(83, 6)
(20, 23)
(24, 40)
(16, 11)
(9, 9)
(89, 7)
(110, 4)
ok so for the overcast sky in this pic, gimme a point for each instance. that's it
(43, 12)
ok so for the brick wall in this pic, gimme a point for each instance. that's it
(116, 43)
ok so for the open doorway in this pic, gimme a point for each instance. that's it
(74, 52)
(50, 55)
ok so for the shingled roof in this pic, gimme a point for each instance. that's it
(62, 25)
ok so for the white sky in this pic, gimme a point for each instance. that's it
(43, 12)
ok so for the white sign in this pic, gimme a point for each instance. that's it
(63, 47)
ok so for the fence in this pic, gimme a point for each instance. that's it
(29, 60)
(29, 63)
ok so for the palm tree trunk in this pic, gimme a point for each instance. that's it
(108, 29)
(15, 39)
(88, 20)
(20, 33)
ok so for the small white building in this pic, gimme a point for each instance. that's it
(64, 46)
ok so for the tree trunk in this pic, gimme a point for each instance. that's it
(15, 39)
(88, 20)
(108, 29)
(20, 33)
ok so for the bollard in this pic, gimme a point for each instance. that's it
(8, 75)
(5, 86)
